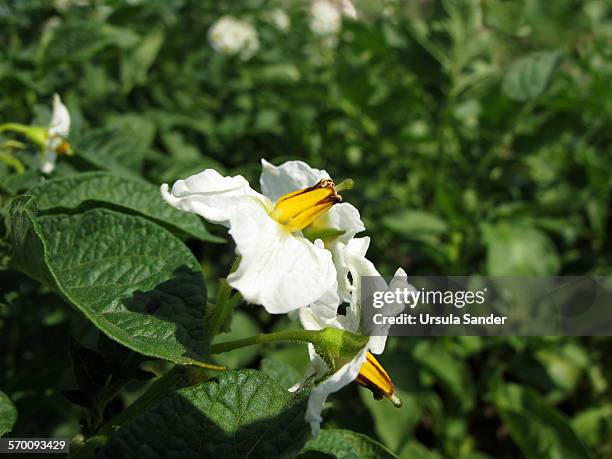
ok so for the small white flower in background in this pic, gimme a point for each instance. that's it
(280, 19)
(279, 269)
(363, 368)
(233, 37)
(58, 131)
(65, 5)
(51, 139)
(326, 15)
(52, 23)
(348, 9)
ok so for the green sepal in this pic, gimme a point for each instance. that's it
(37, 134)
(325, 234)
(337, 347)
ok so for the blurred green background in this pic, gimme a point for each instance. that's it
(478, 134)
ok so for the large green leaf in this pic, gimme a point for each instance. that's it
(594, 425)
(135, 64)
(108, 189)
(537, 428)
(452, 373)
(283, 373)
(8, 414)
(344, 444)
(394, 426)
(77, 41)
(516, 249)
(529, 76)
(237, 414)
(415, 223)
(134, 280)
(415, 450)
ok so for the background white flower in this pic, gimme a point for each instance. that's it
(233, 37)
(280, 19)
(58, 131)
(65, 5)
(326, 15)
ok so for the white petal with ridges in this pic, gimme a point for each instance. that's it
(60, 118)
(278, 269)
(344, 217)
(277, 181)
(48, 164)
(213, 196)
(344, 376)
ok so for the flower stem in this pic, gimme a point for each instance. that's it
(299, 336)
(13, 127)
(11, 161)
(224, 308)
(209, 366)
(37, 134)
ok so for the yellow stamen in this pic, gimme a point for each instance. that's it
(374, 377)
(64, 148)
(298, 209)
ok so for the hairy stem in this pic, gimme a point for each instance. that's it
(16, 127)
(299, 336)
(225, 304)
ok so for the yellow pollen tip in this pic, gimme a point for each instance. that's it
(298, 209)
(64, 148)
(397, 403)
(374, 377)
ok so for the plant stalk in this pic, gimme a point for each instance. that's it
(298, 336)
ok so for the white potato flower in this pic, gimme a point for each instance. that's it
(363, 368)
(280, 19)
(326, 15)
(280, 268)
(233, 37)
(51, 139)
(65, 5)
(57, 132)
(52, 23)
(335, 227)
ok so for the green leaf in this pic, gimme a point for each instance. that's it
(415, 223)
(8, 414)
(134, 280)
(529, 76)
(515, 249)
(129, 195)
(394, 426)
(414, 450)
(564, 364)
(278, 73)
(125, 140)
(504, 16)
(594, 425)
(537, 428)
(283, 373)
(344, 444)
(452, 372)
(237, 414)
(77, 41)
(135, 64)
